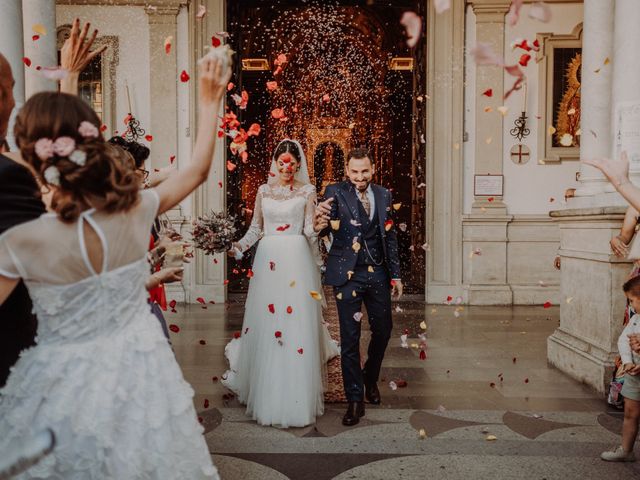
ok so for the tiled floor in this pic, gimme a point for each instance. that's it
(485, 375)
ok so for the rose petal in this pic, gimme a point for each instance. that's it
(184, 76)
(300, 351)
(271, 308)
(202, 11)
(540, 11)
(174, 328)
(484, 55)
(278, 334)
(413, 26)
(167, 44)
(215, 42)
(357, 316)
(442, 5)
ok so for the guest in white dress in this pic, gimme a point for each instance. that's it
(277, 365)
(102, 376)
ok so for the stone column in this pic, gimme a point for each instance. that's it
(163, 84)
(42, 52)
(591, 298)
(11, 47)
(210, 273)
(595, 99)
(626, 65)
(490, 24)
(444, 163)
(485, 277)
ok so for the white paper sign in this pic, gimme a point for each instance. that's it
(488, 185)
(627, 128)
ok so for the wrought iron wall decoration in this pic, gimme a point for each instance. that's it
(520, 130)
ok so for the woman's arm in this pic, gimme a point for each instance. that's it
(213, 82)
(255, 228)
(7, 286)
(629, 225)
(617, 172)
(620, 243)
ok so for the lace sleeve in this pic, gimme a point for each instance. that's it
(310, 233)
(309, 213)
(255, 229)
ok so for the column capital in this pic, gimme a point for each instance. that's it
(163, 13)
(491, 8)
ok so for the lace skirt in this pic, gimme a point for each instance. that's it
(118, 405)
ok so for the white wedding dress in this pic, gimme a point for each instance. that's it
(277, 365)
(102, 375)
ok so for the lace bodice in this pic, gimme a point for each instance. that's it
(73, 301)
(281, 211)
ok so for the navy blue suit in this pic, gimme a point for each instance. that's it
(361, 275)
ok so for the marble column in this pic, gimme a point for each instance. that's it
(595, 99)
(591, 299)
(626, 67)
(42, 52)
(486, 277)
(11, 47)
(445, 122)
(163, 84)
(490, 25)
(210, 273)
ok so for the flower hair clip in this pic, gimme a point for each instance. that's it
(64, 147)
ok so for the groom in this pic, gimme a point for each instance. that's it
(363, 265)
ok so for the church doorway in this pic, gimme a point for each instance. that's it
(334, 75)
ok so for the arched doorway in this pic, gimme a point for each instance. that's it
(338, 89)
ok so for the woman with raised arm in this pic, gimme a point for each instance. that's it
(102, 376)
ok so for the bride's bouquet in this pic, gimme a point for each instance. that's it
(214, 233)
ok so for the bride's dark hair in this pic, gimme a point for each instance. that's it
(287, 146)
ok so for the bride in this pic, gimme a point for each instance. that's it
(276, 366)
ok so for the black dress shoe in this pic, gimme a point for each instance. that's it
(355, 410)
(372, 394)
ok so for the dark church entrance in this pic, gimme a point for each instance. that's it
(334, 75)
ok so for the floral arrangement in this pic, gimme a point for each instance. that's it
(214, 233)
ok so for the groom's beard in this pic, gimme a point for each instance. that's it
(361, 189)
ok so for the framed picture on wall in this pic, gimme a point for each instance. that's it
(559, 80)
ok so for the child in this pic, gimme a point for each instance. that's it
(631, 387)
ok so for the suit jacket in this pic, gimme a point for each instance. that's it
(342, 257)
(19, 203)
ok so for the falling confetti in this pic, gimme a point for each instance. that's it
(540, 11)
(413, 26)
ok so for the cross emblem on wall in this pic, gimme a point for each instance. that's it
(520, 154)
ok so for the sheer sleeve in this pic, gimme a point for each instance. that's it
(310, 233)
(309, 213)
(255, 228)
(9, 264)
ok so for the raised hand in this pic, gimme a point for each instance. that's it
(76, 54)
(634, 342)
(214, 77)
(616, 171)
(322, 215)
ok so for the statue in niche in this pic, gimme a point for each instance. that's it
(568, 104)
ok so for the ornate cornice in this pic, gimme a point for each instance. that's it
(154, 4)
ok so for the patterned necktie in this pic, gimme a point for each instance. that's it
(365, 202)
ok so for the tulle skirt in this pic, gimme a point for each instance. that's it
(277, 364)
